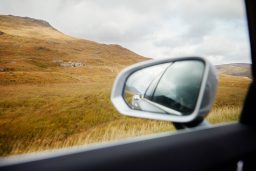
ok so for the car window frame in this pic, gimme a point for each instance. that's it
(100, 159)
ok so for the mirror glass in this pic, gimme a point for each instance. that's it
(170, 88)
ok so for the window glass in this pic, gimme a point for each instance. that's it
(59, 59)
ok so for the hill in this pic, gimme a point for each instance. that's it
(34, 45)
(235, 69)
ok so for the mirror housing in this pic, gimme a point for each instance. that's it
(203, 103)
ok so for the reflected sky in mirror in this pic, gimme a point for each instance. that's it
(138, 82)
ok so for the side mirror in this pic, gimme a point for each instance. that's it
(178, 90)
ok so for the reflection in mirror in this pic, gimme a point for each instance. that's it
(169, 88)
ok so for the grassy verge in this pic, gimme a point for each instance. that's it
(36, 117)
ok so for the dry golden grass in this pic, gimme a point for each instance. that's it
(122, 128)
(224, 114)
(44, 106)
(45, 116)
(229, 99)
(60, 115)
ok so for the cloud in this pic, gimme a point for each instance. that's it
(214, 29)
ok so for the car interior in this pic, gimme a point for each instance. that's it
(195, 147)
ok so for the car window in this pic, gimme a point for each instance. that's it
(59, 59)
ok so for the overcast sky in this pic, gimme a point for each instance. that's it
(215, 29)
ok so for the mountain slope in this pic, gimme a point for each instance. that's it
(235, 69)
(29, 27)
(35, 52)
(28, 44)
